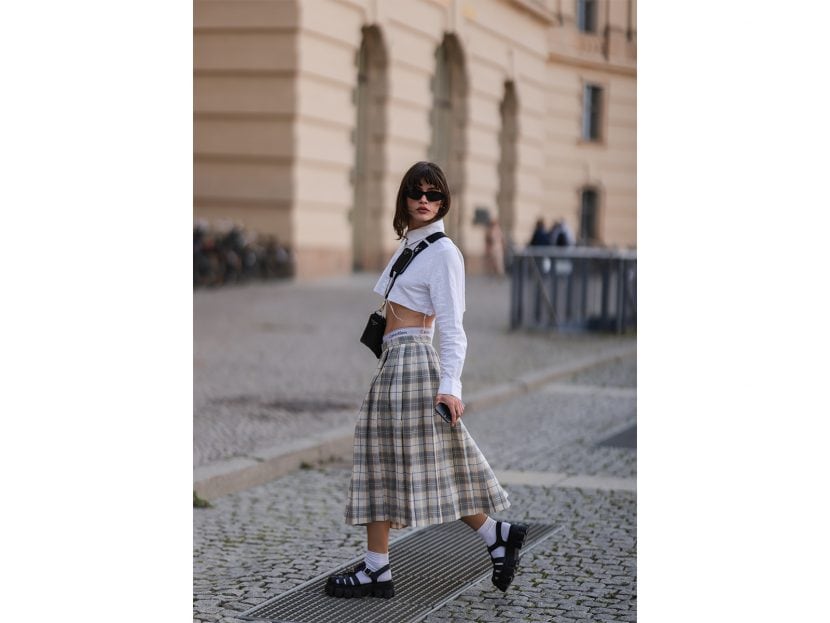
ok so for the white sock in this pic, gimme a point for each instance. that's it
(375, 561)
(487, 532)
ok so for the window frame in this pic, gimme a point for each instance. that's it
(586, 21)
(593, 112)
(592, 236)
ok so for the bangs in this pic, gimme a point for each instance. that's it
(427, 173)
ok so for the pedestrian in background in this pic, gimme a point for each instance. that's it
(541, 236)
(410, 467)
(560, 234)
(494, 249)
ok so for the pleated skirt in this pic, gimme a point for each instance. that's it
(410, 467)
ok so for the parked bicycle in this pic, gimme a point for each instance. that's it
(225, 255)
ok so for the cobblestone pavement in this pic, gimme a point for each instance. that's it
(252, 545)
(562, 428)
(277, 362)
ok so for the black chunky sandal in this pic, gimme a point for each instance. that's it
(504, 567)
(347, 585)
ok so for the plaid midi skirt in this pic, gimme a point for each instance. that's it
(410, 467)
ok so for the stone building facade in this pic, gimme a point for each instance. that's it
(308, 112)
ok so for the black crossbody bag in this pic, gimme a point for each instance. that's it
(373, 333)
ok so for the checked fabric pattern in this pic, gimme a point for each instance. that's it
(410, 467)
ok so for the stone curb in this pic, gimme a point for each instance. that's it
(556, 479)
(237, 474)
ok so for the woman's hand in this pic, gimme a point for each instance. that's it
(455, 405)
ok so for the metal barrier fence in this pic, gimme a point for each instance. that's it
(574, 288)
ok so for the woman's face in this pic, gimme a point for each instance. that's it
(421, 210)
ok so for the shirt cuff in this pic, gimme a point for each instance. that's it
(451, 387)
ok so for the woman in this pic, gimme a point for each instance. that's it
(410, 467)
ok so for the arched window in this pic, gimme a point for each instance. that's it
(508, 135)
(448, 119)
(370, 134)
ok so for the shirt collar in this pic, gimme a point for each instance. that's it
(422, 232)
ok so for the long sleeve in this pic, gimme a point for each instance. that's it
(446, 291)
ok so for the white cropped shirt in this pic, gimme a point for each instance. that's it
(433, 284)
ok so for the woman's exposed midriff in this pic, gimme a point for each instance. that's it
(399, 317)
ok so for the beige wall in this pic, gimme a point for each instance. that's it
(275, 116)
(610, 165)
(245, 56)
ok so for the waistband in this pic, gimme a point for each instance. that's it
(427, 332)
(397, 340)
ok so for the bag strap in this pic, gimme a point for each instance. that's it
(405, 259)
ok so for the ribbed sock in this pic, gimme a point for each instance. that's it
(375, 561)
(487, 532)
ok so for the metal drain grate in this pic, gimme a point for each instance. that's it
(431, 567)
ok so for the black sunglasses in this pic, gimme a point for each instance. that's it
(432, 195)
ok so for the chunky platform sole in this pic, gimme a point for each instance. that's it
(374, 589)
(347, 585)
(504, 568)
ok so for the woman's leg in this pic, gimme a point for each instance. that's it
(503, 541)
(377, 536)
(375, 578)
(474, 521)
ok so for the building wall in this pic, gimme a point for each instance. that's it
(501, 44)
(245, 56)
(607, 59)
(276, 113)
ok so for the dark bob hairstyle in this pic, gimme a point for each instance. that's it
(431, 174)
